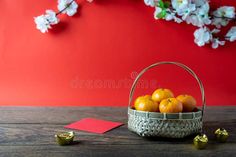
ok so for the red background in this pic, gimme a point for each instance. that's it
(108, 40)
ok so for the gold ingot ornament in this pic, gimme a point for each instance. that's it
(200, 141)
(65, 138)
(221, 135)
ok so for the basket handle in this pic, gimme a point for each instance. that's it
(173, 63)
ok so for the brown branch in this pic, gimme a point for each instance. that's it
(68, 5)
(229, 18)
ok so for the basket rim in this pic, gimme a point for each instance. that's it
(165, 116)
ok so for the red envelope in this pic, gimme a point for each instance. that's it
(93, 125)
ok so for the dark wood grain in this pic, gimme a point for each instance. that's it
(29, 131)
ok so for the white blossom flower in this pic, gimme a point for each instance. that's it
(41, 23)
(68, 7)
(188, 11)
(199, 3)
(180, 5)
(193, 11)
(225, 11)
(200, 17)
(150, 2)
(44, 22)
(171, 16)
(216, 42)
(223, 15)
(51, 17)
(202, 36)
(231, 35)
(218, 22)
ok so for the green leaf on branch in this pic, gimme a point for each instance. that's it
(166, 4)
(161, 4)
(162, 14)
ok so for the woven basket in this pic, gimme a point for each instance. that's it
(170, 125)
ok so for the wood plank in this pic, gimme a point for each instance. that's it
(29, 131)
(59, 115)
(152, 150)
(64, 115)
(43, 134)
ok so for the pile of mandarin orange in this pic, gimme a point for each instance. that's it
(163, 100)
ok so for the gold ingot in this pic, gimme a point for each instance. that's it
(65, 138)
(221, 135)
(200, 141)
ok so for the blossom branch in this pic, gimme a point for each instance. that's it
(44, 22)
(197, 13)
(212, 16)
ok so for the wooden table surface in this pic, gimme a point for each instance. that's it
(29, 131)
